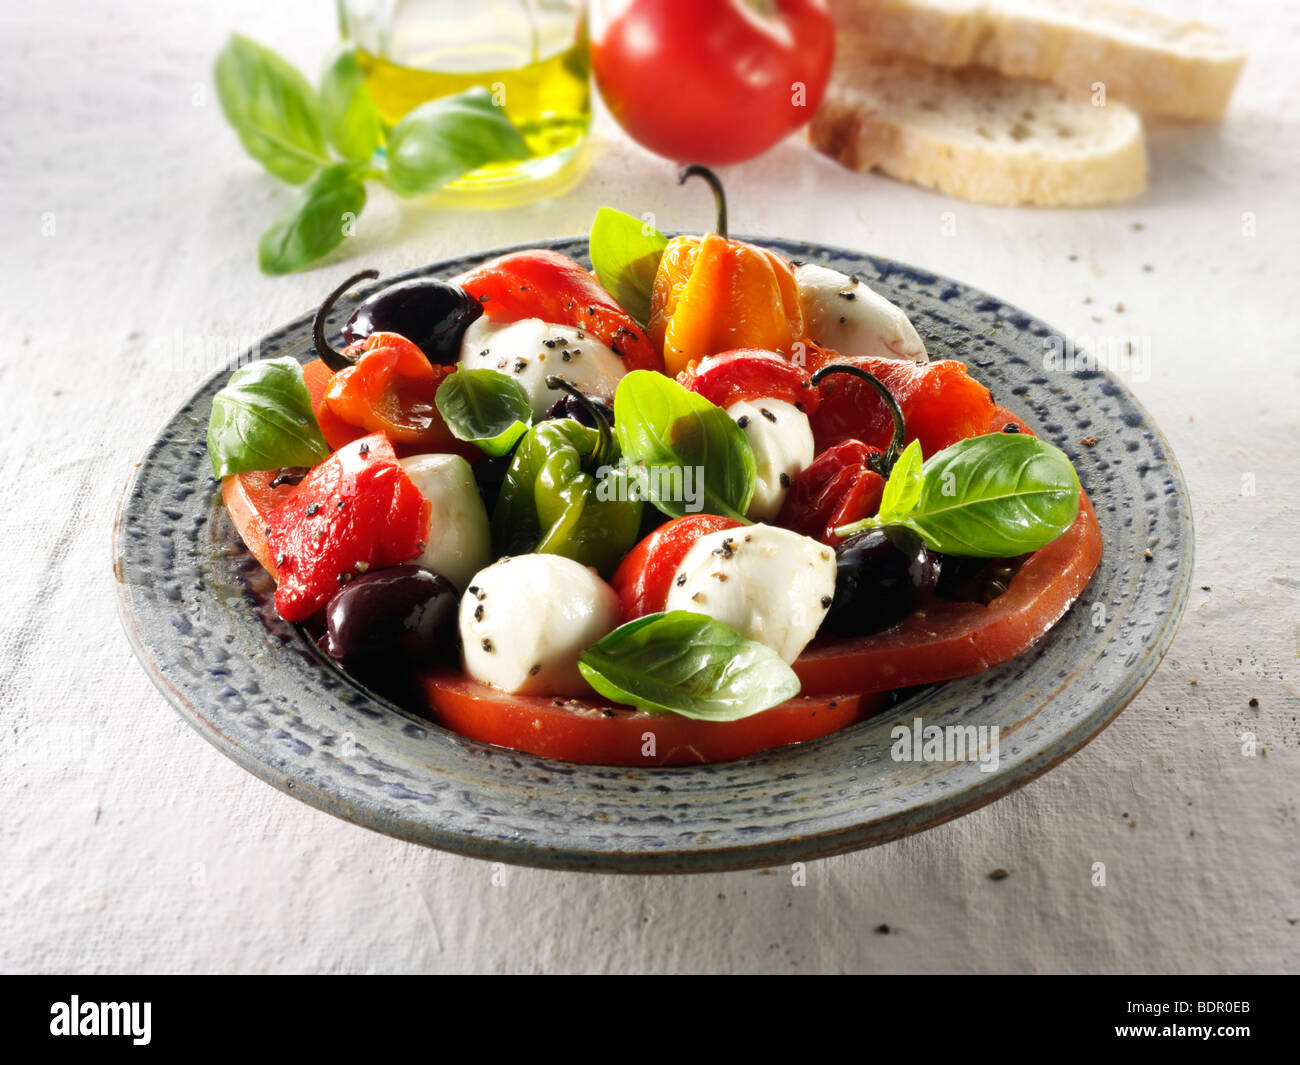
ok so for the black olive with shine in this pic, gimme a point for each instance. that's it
(880, 576)
(569, 407)
(432, 314)
(401, 613)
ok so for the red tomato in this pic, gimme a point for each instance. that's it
(941, 404)
(714, 82)
(356, 511)
(249, 498)
(750, 373)
(946, 640)
(646, 572)
(598, 733)
(550, 286)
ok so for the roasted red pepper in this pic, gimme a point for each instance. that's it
(356, 511)
(750, 373)
(839, 487)
(550, 286)
(940, 403)
(390, 389)
(645, 576)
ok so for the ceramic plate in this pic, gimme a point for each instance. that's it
(198, 611)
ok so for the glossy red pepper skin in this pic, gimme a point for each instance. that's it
(550, 286)
(750, 373)
(390, 389)
(836, 489)
(644, 577)
(941, 404)
(357, 511)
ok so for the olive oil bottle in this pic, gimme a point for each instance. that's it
(532, 55)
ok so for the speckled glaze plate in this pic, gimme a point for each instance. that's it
(199, 613)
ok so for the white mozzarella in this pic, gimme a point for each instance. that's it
(769, 584)
(530, 350)
(843, 314)
(459, 543)
(782, 439)
(524, 620)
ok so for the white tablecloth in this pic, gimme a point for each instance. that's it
(127, 843)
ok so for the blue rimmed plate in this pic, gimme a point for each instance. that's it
(198, 611)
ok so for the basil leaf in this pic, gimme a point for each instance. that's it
(272, 108)
(348, 112)
(484, 407)
(688, 664)
(674, 434)
(443, 139)
(903, 488)
(626, 259)
(314, 222)
(263, 420)
(993, 496)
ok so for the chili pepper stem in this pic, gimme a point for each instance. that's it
(605, 444)
(715, 183)
(335, 360)
(895, 448)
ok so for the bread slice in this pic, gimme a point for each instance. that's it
(1158, 65)
(976, 134)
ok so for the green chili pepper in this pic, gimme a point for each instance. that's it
(565, 493)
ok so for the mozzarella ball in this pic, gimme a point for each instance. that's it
(782, 439)
(459, 543)
(525, 620)
(843, 314)
(530, 350)
(769, 584)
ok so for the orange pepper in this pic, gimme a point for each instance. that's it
(390, 390)
(713, 294)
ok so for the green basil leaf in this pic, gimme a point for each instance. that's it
(273, 108)
(674, 434)
(626, 258)
(688, 664)
(485, 408)
(348, 112)
(443, 139)
(903, 488)
(314, 222)
(263, 420)
(993, 496)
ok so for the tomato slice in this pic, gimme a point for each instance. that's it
(249, 498)
(948, 640)
(596, 733)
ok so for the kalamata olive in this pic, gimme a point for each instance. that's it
(569, 407)
(433, 315)
(402, 613)
(976, 580)
(880, 576)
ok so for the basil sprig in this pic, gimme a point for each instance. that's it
(672, 434)
(625, 254)
(685, 663)
(287, 127)
(485, 408)
(993, 496)
(262, 420)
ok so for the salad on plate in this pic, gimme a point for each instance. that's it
(697, 502)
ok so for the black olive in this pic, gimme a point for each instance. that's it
(569, 407)
(489, 475)
(976, 580)
(880, 576)
(432, 314)
(401, 613)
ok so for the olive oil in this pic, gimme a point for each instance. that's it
(546, 96)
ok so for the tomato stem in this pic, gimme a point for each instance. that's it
(335, 360)
(715, 183)
(882, 464)
(605, 444)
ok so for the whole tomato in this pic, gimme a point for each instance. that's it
(714, 82)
